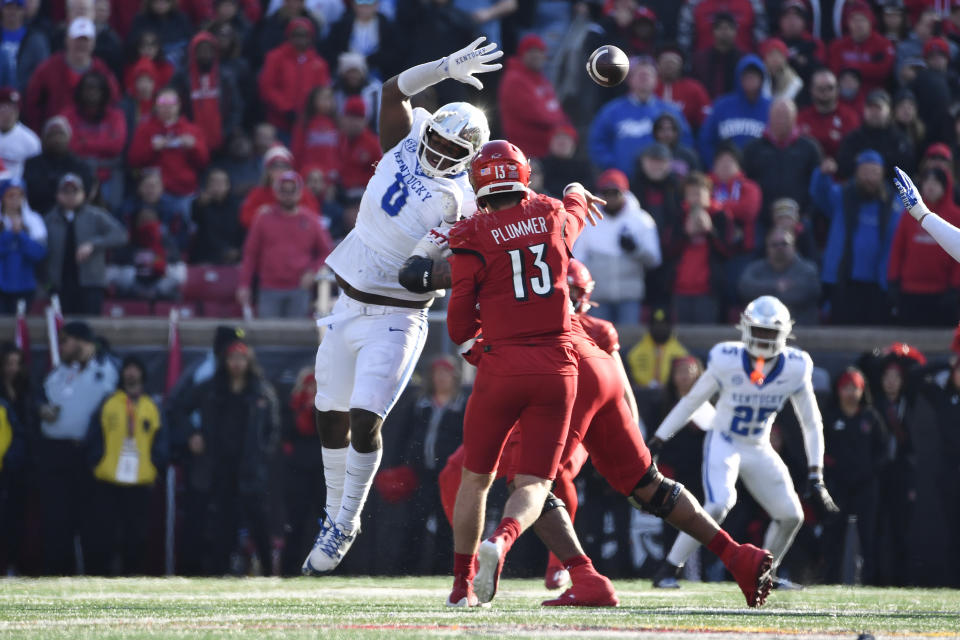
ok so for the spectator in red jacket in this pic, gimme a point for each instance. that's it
(175, 145)
(359, 148)
(738, 194)
(804, 52)
(290, 72)
(687, 93)
(694, 248)
(149, 51)
(863, 49)
(99, 134)
(316, 140)
(827, 120)
(50, 89)
(922, 279)
(695, 30)
(285, 248)
(210, 95)
(276, 160)
(529, 109)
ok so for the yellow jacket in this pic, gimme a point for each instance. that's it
(6, 433)
(650, 362)
(107, 443)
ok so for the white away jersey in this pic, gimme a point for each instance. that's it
(745, 411)
(400, 205)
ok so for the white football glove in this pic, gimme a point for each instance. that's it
(435, 245)
(461, 65)
(909, 195)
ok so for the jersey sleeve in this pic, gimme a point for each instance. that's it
(707, 385)
(603, 333)
(466, 262)
(575, 206)
(808, 414)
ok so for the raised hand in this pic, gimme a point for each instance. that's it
(462, 64)
(909, 195)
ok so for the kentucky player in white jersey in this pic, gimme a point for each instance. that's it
(377, 328)
(754, 377)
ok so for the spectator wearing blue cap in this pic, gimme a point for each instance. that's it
(863, 217)
(624, 126)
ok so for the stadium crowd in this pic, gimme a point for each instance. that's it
(749, 152)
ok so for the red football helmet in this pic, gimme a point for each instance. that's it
(499, 167)
(581, 285)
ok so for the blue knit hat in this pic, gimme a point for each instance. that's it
(869, 156)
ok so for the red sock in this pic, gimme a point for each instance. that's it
(720, 543)
(508, 531)
(575, 562)
(464, 565)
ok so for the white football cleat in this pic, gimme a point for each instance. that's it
(328, 549)
(490, 559)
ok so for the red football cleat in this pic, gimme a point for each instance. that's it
(490, 559)
(595, 591)
(462, 594)
(750, 567)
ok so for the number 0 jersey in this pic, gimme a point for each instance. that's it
(746, 411)
(399, 206)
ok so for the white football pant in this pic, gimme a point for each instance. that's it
(766, 478)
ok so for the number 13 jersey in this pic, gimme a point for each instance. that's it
(509, 271)
(399, 206)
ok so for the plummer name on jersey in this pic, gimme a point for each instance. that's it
(517, 229)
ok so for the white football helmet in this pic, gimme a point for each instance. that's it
(460, 123)
(765, 326)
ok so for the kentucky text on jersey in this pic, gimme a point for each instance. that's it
(412, 181)
(758, 398)
(517, 229)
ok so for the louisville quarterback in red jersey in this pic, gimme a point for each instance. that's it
(604, 423)
(509, 269)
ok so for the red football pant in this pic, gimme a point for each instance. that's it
(602, 423)
(539, 406)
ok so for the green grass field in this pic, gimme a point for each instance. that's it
(80, 608)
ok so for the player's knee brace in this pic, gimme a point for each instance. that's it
(416, 274)
(664, 499)
(552, 502)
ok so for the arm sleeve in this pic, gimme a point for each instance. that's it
(112, 233)
(946, 235)
(679, 416)
(600, 140)
(649, 243)
(808, 414)
(251, 254)
(463, 321)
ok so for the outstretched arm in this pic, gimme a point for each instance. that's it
(396, 114)
(946, 235)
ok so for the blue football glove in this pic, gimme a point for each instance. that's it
(909, 195)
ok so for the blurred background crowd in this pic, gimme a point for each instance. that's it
(208, 154)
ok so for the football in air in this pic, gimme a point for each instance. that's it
(608, 66)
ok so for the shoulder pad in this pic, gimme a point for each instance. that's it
(724, 353)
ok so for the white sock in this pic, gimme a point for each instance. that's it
(360, 469)
(334, 469)
(683, 548)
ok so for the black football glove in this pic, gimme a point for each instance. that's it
(627, 243)
(817, 493)
(655, 445)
